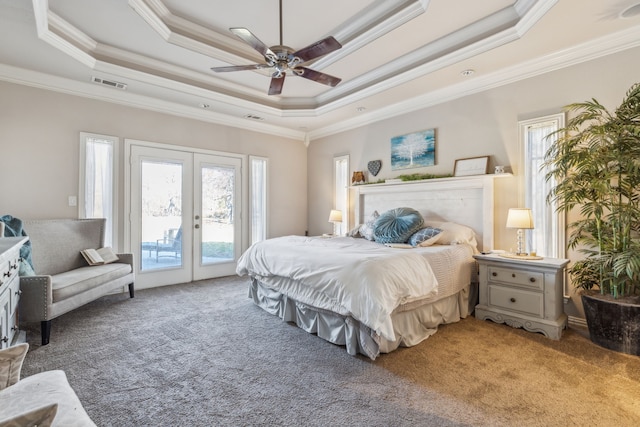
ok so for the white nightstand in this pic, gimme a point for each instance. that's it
(522, 293)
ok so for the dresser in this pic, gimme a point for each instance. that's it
(522, 293)
(9, 289)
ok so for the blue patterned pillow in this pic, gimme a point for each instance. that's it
(397, 225)
(425, 237)
(366, 229)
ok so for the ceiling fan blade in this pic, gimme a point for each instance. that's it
(252, 41)
(319, 48)
(239, 68)
(276, 85)
(317, 76)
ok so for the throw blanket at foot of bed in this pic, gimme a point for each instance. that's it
(350, 277)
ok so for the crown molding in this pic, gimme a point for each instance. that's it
(603, 46)
(91, 91)
(382, 17)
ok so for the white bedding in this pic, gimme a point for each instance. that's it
(352, 277)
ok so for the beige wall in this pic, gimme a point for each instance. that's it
(477, 125)
(39, 140)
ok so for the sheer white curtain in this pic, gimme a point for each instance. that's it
(258, 195)
(341, 191)
(97, 197)
(547, 237)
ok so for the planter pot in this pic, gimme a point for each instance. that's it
(612, 324)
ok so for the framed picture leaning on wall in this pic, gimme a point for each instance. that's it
(471, 166)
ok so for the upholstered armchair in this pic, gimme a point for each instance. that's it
(43, 399)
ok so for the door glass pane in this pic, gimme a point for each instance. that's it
(217, 214)
(161, 215)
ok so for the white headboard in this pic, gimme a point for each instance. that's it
(465, 200)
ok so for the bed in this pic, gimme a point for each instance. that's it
(370, 297)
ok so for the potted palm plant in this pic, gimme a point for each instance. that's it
(596, 166)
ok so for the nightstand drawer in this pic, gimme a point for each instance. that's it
(511, 276)
(517, 300)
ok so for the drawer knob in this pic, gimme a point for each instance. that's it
(19, 292)
(532, 279)
(14, 266)
(512, 299)
(494, 274)
(5, 339)
(6, 274)
(15, 328)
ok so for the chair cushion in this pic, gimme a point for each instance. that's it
(397, 225)
(11, 363)
(71, 283)
(39, 417)
(45, 388)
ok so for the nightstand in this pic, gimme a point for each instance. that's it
(522, 293)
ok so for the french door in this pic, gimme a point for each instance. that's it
(185, 215)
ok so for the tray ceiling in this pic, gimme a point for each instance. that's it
(396, 55)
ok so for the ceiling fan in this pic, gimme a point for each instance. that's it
(282, 58)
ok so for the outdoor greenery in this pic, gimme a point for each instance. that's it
(217, 250)
(596, 166)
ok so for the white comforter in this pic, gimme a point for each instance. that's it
(352, 277)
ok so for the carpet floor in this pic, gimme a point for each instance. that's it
(203, 354)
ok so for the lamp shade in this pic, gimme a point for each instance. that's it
(520, 218)
(335, 216)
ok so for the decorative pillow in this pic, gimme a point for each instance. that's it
(397, 225)
(39, 417)
(11, 364)
(453, 233)
(425, 237)
(366, 229)
(354, 232)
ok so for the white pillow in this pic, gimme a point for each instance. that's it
(366, 229)
(453, 233)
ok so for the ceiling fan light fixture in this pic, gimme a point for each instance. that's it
(631, 11)
(281, 59)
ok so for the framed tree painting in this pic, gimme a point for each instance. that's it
(414, 150)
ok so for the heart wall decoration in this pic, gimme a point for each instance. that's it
(374, 167)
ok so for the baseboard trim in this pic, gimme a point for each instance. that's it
(577, 321)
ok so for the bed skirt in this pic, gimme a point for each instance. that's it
(410, 326)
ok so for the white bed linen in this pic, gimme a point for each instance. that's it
(351, 277)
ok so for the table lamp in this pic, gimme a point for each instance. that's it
(336, 218)
(520, 218)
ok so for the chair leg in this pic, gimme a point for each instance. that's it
(131, 290)
(45, 331)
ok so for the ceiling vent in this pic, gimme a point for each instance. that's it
(253, 117)
(110, 83)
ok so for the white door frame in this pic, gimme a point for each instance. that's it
(242, 200)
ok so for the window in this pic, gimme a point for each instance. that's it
(341, 192)
(258, 195)
(548, 236)
(98, 181)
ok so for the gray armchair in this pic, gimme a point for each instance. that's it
(64, 281)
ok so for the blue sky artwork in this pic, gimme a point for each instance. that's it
(414, 150)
